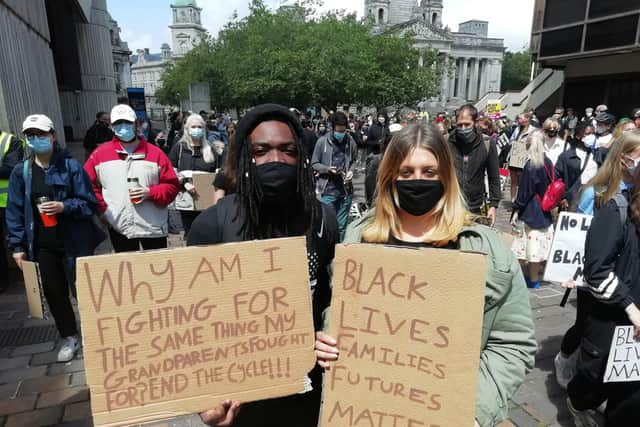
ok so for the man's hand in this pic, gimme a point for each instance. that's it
(51, 208)
(333, 170)
(326, 350)
(491, 215)
(634, 316)
(191, 189)
(222, 415)
(348, 176)
(139, 192)
(18, 257)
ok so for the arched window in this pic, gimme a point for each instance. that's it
(434, 18)
(380, 16)
(424, 16)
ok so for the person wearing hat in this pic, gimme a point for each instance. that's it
(50, 221)
(11, 153)
(134, 182)
(275, 197)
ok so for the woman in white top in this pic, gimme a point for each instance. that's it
(553, 144)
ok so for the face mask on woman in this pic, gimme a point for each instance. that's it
(419, 196)
(196, 133)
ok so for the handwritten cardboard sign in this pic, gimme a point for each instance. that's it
(408, 327)
(519, 155)
(178, 331)
(566, 256)
(204, 189)
(33, 288)
(623, 364)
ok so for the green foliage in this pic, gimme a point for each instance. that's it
(296, 57)
(516, 69)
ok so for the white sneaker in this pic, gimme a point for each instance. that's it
(565, 369)
(69, 347)
(581, 418)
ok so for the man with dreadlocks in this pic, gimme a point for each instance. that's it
(275, 197)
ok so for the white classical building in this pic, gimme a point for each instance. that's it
(186, 32)
(473, 60)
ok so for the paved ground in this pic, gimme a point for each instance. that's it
(36, 391)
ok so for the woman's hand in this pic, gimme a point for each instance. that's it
(18, 257)
(514, 219)
(634, 316)
(569, 284)
(326, 350)
(51, 208)
(222, 415)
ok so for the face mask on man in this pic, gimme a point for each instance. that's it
(381, 120)
(125, 132)
(602, 129)
(339, 136)
(419, 196)
(278, 181)
(196, 133)
(465, 135)
(40, 144)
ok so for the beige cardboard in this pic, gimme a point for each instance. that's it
(519, 155)
(31, 276)
(204, 190)
(178, 331)
(408, 326)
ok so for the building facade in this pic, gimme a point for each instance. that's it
(186, 33)
(57, 60)
(121, 58)
(473, 60)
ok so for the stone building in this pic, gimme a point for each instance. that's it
(57, 60)
(473, 59)
(121, 58)
(186, 32)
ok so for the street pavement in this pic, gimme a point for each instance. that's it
(35, 390)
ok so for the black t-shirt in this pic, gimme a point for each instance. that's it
(46, 236)
(394, 241)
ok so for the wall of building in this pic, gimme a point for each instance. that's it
(27, 78)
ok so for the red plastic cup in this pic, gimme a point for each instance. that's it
(47, 220)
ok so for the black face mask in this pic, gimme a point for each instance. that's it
(419, 196)
(279, 182)
(466, 136)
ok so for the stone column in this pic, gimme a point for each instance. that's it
(483, 78)
(473, 86)
(453, 69)
(444, 81)
(462, 80)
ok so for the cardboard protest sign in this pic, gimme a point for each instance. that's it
(408, 324)
(518, 156)
(566, 256)
(178, 331)
(494, 109)
(204, 189)
(623, 364)
(32, 286)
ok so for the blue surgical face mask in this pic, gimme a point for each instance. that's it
(339, 135)
(196, 133)
(40, 144)
(125, 132)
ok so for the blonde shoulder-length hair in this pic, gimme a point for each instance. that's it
(208, 154)
(535, 148)
(450, 214)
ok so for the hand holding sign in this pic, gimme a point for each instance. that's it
(634, 316)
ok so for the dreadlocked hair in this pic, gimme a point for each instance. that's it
(249, 191)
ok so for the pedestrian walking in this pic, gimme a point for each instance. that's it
(98, 133)
(517, 159)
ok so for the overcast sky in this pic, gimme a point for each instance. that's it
(145, 23)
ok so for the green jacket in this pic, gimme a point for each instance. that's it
(508, 345)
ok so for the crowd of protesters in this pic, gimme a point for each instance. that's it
(428, 183)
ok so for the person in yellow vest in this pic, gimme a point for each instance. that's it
(11, 153)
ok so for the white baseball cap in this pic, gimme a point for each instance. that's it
(122, 112)
(37, 121)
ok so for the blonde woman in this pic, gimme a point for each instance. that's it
(553, 144)
(419, 204)
(532, 245)
(193, 153)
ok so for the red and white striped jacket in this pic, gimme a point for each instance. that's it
(110, 165)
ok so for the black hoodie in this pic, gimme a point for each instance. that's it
(471, 161)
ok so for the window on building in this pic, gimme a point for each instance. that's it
(600, 8)
(561, 42)
(563, 12)
(611, 33)
(434, 18)
(380, 16)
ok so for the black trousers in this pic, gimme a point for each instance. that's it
(56, 288)
(121, 243)
(187, 219)
(571, 339)
(4, 263)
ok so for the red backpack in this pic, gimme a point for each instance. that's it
(553, 194)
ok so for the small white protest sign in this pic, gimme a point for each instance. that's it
(623, 364)
(566, 256)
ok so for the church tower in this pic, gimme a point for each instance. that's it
(378, 12)
(187, 29)
(430, 11)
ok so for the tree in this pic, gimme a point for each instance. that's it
(516, 69)
(296, 57)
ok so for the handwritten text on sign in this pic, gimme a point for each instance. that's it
(408, 353)
(623, 364)
(566, 256)
(177, 331)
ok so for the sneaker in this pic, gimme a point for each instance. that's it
(69, 348)
(565, 369)
(581, 418)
